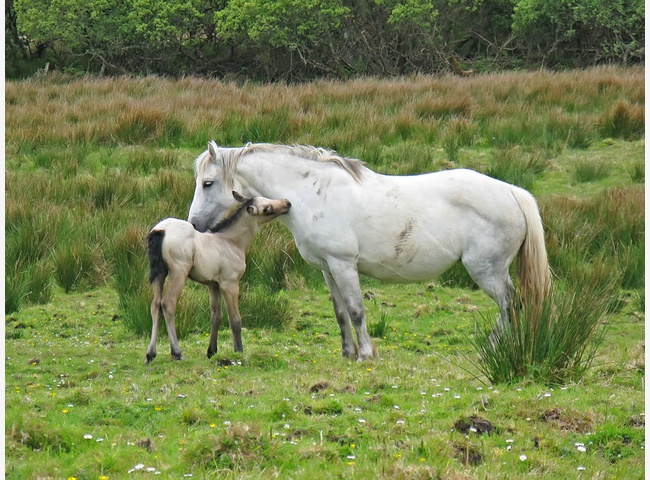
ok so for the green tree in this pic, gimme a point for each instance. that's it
(285, 34)
(115, 36)
(76, 32)
(580, 31)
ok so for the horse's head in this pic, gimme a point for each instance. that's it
(212, 194)
(265, 209)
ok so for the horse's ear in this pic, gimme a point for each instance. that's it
(239, 197)
(212, 148)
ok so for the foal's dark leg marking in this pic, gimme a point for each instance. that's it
(215, 317)
(177, 355)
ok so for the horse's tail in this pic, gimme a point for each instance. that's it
(157, 267)
(534, 270)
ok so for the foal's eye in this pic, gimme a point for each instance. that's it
(207, 184)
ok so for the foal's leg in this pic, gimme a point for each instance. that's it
(346, 278)
(348, 345)
(231, 296)
(156, 312)
(215, 317)
(174, 289)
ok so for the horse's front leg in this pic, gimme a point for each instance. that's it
(231, 296)
(215, 317)
(348, 345)
(346, 278)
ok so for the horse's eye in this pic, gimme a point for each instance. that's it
(207, 184)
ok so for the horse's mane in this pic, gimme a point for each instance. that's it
(231, 156)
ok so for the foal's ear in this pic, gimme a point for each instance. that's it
(239, 197)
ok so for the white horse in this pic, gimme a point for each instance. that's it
(348, 220)
(216, 259)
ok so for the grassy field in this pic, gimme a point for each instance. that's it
(91, 165)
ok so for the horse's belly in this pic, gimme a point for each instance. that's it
(408, 267)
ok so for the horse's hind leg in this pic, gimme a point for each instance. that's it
(494, 280)
(215, 317)
(346, 279)
(156, 312)
(169, 301)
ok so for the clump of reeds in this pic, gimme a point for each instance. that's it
(551, 343)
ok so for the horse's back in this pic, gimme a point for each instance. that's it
(178, 242)
(428, 222)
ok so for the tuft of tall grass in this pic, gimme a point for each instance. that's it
(408, 158)
(15, 292)
(457, 134)
(381, 327)
(516, 167)
(129, 274)
(637, 172)
(260, 308)
(611, 225)
(444, 107)
(553, 343)
(586, 171)
(29, 285)
(77, 266)
(624, 120)
(273, 261)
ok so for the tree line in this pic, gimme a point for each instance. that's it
(296, 40)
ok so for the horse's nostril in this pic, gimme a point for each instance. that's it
(288, 203)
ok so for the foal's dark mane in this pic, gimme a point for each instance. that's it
(231, 218)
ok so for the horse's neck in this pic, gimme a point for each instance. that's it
(240, 233)
(276, 175)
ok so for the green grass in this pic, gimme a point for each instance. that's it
(81, 403)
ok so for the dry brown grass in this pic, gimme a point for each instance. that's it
(117, 111)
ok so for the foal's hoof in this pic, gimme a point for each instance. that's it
(177, 356)
(211, 353)
(150, 357)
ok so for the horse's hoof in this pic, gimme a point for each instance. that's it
(350, 354)
(211, 353)
(177, 356)
(150, 357)
(367, 358)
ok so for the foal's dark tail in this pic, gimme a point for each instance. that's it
(157, 267)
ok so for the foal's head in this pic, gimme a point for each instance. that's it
(264, 209)
(260, 209)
